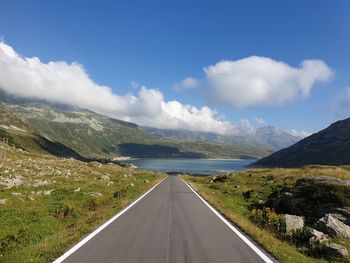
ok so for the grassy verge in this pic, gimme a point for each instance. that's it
(235, 196)
(48, 204)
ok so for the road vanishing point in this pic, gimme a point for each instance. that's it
(169, 224)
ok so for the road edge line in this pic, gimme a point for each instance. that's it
(261, 254)
(100, 228)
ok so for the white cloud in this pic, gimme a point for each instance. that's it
(59, 81)
(260, 121)
(301, 134)
(187, 83)
(258, 81)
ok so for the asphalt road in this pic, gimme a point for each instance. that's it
(170, 224)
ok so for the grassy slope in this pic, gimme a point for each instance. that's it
(228, 198)
(37, 227)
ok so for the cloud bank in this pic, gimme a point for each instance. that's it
(261, 81)
(59, 81)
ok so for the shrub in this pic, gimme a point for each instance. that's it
(119, 194)
(301, 236)
(64, 211)
(13, 241)
(266, 217)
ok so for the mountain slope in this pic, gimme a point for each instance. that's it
(93, 135)
(330, 146)
(275, 138)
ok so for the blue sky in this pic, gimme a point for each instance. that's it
(160, 43)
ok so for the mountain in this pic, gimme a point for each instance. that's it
(330, 146)
(275, 138)
(91, 135)
(267, 137)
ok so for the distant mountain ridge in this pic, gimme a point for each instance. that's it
(267, 137)
(330, 146)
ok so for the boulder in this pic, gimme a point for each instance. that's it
(333, 227)
(317, 236)
(342, 214)
(293, 223)
(335, 250)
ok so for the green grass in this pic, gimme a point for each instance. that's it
(38, 228)
(236, 196)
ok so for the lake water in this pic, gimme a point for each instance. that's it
(193, 166)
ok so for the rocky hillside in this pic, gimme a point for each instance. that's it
(330, 146)
(87, 134)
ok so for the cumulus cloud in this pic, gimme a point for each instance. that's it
(301, 134)
(59, 81)
(259, 81)
(260, 121)
(187, 83)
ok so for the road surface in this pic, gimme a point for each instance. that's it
(171, 225)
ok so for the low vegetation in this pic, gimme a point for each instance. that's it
(49, 203)
(257, 201)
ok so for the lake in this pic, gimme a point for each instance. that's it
(192, 166)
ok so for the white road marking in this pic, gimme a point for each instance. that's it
(86, 239)
(235, 230)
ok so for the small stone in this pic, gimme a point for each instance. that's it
(48, 192)
(15, 193)
(132, 185)
(146, 181)
(77, 190)
(3, 201)
(95, 194)
(105, 177)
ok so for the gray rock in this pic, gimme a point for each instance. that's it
(342, 214)
(335, 250)
(317, 236)
(293, 223)
(333, 227)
